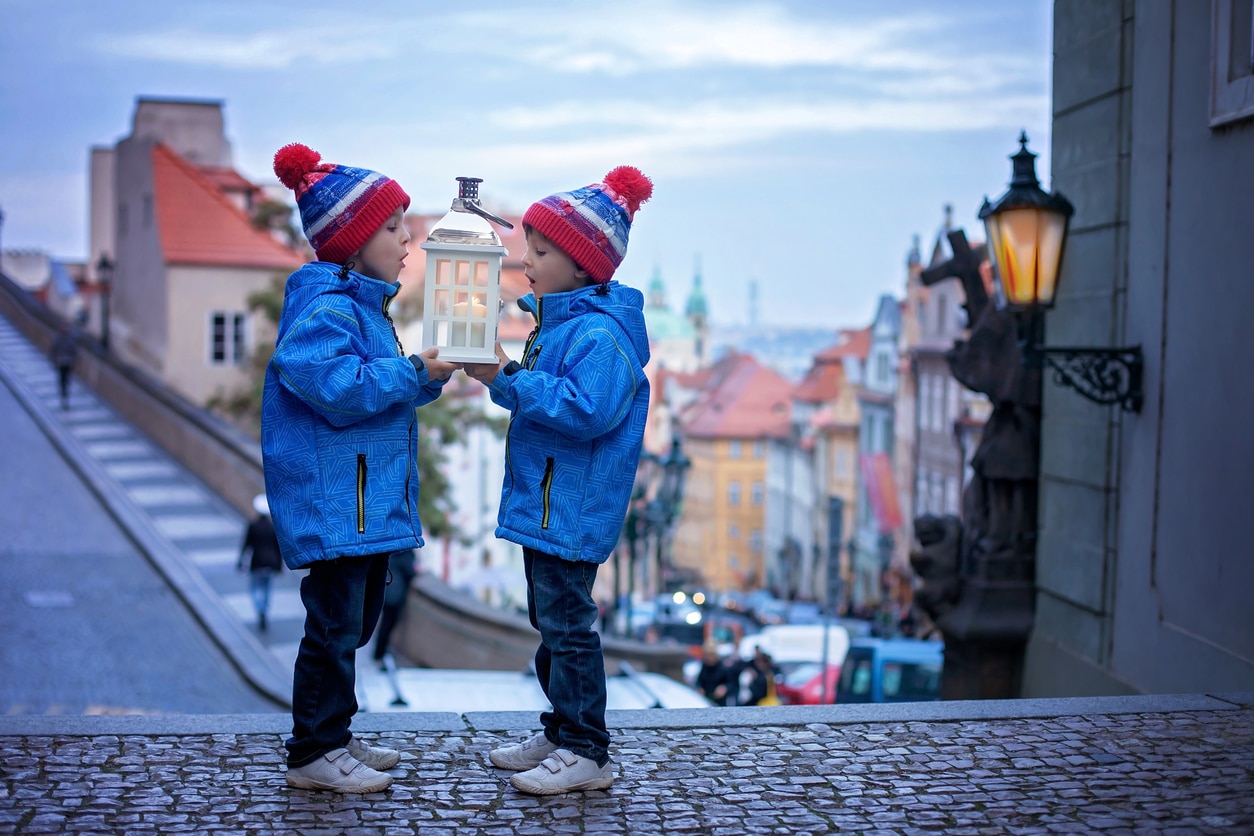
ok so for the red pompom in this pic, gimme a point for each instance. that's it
(293, 162)
(631, 185)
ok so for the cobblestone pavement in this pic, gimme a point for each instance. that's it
(1110, 765)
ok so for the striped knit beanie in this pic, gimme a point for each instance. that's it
(340, 207)
(591, 224)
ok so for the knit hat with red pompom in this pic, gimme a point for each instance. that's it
(591, 224)
(340, 207)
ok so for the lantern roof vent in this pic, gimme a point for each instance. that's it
(467, 222)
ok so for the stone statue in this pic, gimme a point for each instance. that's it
(979, 573)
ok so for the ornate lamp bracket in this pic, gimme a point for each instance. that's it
(1102, 375)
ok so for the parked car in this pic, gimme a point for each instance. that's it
(891, 670)
(803, 685)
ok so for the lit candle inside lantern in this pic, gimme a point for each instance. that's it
(478, 313)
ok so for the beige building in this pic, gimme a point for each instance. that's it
(827, 397)
(174, 217)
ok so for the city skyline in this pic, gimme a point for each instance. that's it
(798, 145)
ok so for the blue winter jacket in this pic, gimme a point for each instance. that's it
(339, 432)
(577, 409)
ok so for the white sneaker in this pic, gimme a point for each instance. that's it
(564, 771)
(375, 757)
(337, 771)
(525, 755)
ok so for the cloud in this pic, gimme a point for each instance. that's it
(267, 49)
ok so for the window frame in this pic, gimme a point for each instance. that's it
(1230, 101)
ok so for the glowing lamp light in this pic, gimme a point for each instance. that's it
(1026, 230)
(462, 298)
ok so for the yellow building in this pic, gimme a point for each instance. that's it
(719, 538)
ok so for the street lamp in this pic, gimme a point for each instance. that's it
(104, 278)
(1027, 231)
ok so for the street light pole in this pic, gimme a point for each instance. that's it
(104, 277)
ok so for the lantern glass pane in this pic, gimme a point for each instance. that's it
(477, 332)
(443, 272)
(441, 333)
(463, 274)
(481, 274)
(460, 299)
(441, 303)
(458, 333)
(1052, 228)
(1018, 252)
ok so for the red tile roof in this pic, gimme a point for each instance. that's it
(198, 224)
(745, 400)
(853, 343)
(822, 382)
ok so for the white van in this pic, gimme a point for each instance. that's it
(793, 644)
(461, 691)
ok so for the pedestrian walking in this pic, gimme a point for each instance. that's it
(259, 556)
(578, 403)
(339, 442)
(401, 573)
(64, 353)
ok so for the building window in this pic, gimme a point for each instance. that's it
(951, 495)
(733, 493)
(881, 368)
(226, 339)
(755, 541)
(734, 450)
(842, 464)
(755, 493)
(759, 450)
(1232, 61)
(148, 211)
(733, 531)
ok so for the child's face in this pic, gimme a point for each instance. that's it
(549, 269)
(383, 254)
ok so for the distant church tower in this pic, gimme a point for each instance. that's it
(698, 313)
(656, 297)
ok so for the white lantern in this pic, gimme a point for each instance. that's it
(463, 283)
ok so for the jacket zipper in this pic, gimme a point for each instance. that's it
(545, 486)
(361, 493)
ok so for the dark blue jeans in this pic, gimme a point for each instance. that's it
(569, 662)
(342, 600)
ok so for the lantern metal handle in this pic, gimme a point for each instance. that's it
(468, 197)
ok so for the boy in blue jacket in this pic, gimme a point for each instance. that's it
(578, 402)
(339, 443)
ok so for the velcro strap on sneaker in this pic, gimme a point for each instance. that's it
(344, 762)
(554, 762)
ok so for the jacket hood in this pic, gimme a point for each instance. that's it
(625, 305)
(319, 277)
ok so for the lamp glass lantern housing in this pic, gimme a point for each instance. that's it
(462, 297)
(1026, 229)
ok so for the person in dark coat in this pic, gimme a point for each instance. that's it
(261, 551)
(715, 678)
(402, 573)
(64, 353)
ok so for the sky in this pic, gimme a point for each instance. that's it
(795, 147)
